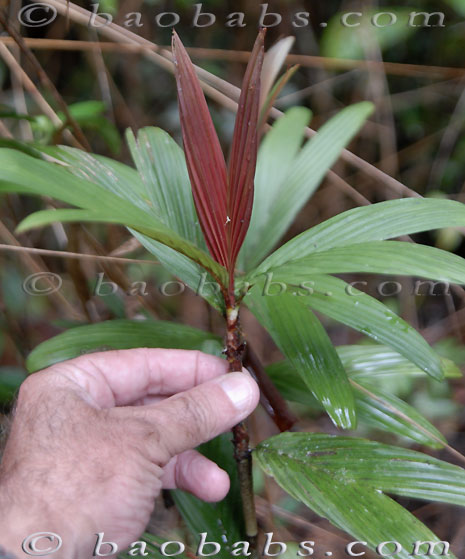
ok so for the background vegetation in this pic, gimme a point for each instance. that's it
(415, 136)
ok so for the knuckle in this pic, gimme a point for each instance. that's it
(39, 383)
(30, 387)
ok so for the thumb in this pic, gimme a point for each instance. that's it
(193, 417)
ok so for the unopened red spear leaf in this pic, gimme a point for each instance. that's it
(223, 196)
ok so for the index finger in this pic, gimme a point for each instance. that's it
(122, 377)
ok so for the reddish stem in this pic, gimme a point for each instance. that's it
(270, 397)
(235, 350)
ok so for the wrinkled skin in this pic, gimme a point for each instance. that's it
(95, 439)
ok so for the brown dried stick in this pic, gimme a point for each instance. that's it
(29, 85)
(220, 90)
(336, 64)
(44, 79)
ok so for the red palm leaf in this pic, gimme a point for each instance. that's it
(223, 199)
(205, 160)
(243, 158)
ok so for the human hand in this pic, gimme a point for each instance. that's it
(95, 439)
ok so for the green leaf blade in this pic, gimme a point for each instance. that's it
(112, 175)
(377, 222)
(338, 300)
(388, 468)
(163, 190)
(375, 409)
(117, 334)
(302, 338)
(150, 228)
(162, 167)
(389, 413)
(378, 257)
(277, 152)
(343, 479)
(375, 362)
(193, 275)
(305, 173)
(311, 165)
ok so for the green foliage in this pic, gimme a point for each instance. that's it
(223, 521)
(365, 366)
(119, 334)
(340, 301)
(26, 175)
(281, 193)
(360, 35)
(345, 480)
(276, 157)
(161, 189)
(354, 241)
(379, 257)
(341, 479)
(386, 412)
(375, 406)
(10, 381)
(377, 222)
(375, 363)
(458, 6)
(89, 115)
(304, 341)
(162, 169)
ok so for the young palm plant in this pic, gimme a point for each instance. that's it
(215, 226)
(223, 197)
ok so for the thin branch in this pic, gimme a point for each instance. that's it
(448, 143)
(37, 266)
(75, 255)
(4, 132)
(128, 246)
(223, 92)
(19, 99)
(44, 79)
(28, 84)
(348, 189)
(298, 96)
(336, 64)
(271, 398)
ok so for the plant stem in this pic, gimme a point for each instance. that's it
(243, 458)
(235, 349)
(270, 397)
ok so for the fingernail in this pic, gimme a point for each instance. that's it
(247, 372)
(239, 390)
